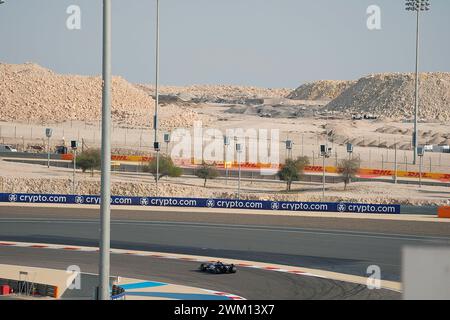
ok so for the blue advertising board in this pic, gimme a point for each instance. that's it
(342, 207)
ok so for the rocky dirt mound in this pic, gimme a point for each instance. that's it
(29, 92)
(392, 95)
(217, 93)
(320, 90)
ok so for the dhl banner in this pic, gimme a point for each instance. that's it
(363, 173)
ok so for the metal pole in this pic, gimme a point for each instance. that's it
(48, 152)
(157, 92)
(323, 179)
(105, 206)
(416, 103)
(157, 171)
(420, 172)
(74, 168)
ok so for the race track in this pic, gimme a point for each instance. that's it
(344, 251)
(249, 283)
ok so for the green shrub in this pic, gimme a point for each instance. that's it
(348, 169)
(207, 172)
(89, 160)
(166, 168)
(292, 171)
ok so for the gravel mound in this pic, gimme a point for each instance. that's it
(29, 92)
(392, 95)
(217, 93)
(320, 90)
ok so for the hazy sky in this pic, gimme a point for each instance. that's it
(270, 43)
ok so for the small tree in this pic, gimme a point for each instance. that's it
(206, 172)
(348, 169)
(89, 160)
(166, 168)
(292, 171)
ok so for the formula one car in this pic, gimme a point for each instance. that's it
(218, 268)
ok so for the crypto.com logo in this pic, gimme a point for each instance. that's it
(341, 207)
(144, 202)
(210, 203)
(12, 198)
(79, 200)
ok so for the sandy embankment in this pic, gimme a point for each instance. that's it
(26, 178)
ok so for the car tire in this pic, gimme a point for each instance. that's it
(233, 269)
(203, 267)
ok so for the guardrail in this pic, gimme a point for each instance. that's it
(342, 207)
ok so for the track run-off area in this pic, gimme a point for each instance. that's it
(344, 245)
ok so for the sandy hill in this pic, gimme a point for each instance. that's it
(320, 90)
(31, 92)
(218, 93)
(392, 95)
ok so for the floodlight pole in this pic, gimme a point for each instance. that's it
(420, 170)
(157, 94)
(417, 6)
(105, 205)
(74, 170)
(416, 100)
(323, 178)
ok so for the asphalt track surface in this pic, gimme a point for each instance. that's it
(287, 243)
(251, 284)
